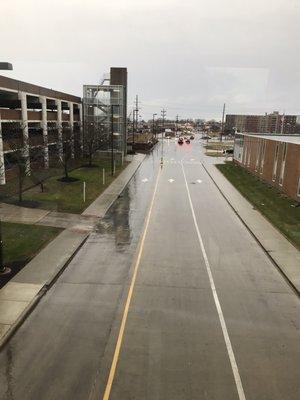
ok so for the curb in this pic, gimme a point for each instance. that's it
(278, 267)
(124, 186)
(34, 302)
(115, 195)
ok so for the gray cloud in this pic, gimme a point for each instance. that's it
(189, 56)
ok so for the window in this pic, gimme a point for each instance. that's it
(284, 151)
(249, 153)
(262, 158)
(258, 156)
(275, 162)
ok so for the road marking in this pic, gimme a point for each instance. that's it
(128, 300)
(171, 180)
(198, 181)
(145, 180)
(234, 367)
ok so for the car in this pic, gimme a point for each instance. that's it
(206, 137)
(187, 141)
(192, 137)
(180, 141)
(228, 151)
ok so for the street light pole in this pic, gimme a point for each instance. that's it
(153, 126)
(163, 114)
(112, 138)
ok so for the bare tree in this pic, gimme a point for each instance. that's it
(20, 158)
(91, 141)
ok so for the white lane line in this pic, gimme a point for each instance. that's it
(234, 367)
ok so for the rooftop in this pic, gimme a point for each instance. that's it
(280, 138)
(14, 85)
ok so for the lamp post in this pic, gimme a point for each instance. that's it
(3, 269)
(153, 126)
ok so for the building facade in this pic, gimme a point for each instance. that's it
(273, 158)
(268, 123)
(36, 122)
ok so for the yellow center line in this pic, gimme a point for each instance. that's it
(128, 300)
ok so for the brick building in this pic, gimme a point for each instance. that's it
(37, 122)
(267, 123)
(273, 158)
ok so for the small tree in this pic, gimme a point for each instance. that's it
(18, 156)
(65, 159)
(21, 159)
(91, 141)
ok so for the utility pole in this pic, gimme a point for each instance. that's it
(222, 126)
(135, 118)
(153, 126)
(163, 114)
(176, 126)
(133, 126)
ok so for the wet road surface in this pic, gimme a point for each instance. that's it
(209, 316)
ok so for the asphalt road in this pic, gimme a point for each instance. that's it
(171, 298)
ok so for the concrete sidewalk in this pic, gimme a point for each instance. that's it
(100, 206)
(282, 252)
(21, 294)
(36, 216)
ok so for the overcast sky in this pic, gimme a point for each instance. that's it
(189, 56)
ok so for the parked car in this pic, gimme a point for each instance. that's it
(180, 141)
(228, 151)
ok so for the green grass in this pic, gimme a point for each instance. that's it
(68, 197)
(277, 208)
(218, 146)
(21, 242)
(214, 154)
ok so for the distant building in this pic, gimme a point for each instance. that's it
(273, 158)
(36, 122)
(268, 123)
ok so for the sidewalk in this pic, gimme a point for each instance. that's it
(36, 216)
(100, 206)
(283, 253)
(21, 294)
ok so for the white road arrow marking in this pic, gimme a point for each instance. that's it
(171, 180)
(145, 180)
(199, 181)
